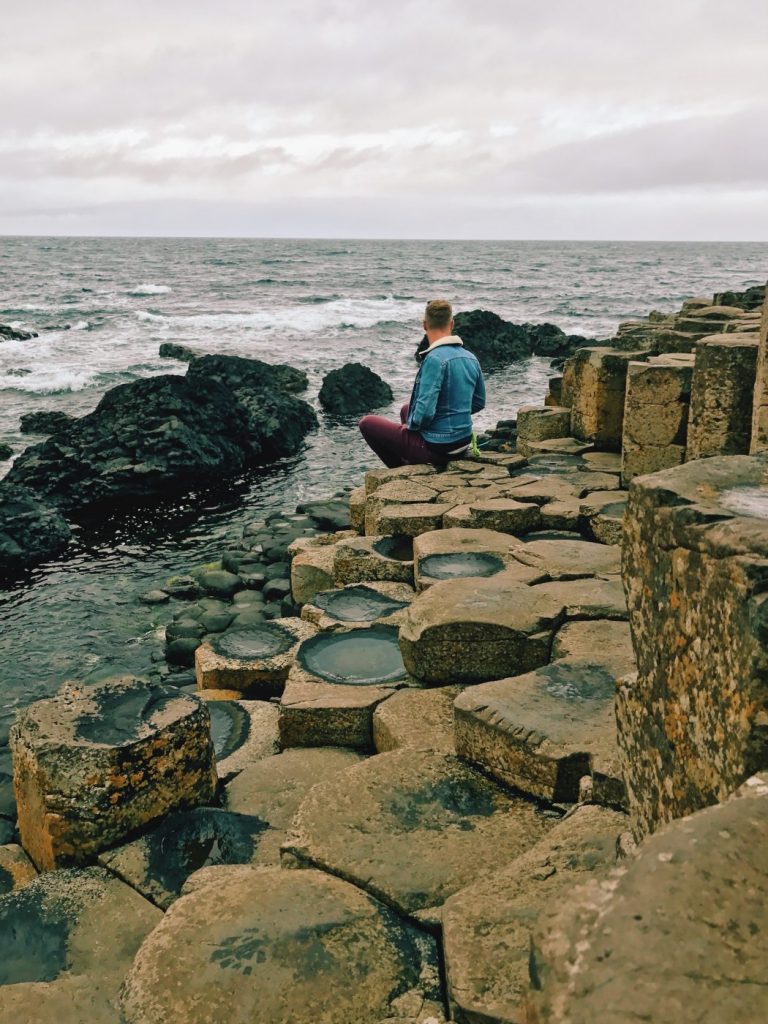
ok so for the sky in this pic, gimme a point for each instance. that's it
(519, 119)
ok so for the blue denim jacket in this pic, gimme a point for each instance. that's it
(449, 387)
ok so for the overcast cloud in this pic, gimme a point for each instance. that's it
(508, 119)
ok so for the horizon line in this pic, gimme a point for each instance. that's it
(390, 238)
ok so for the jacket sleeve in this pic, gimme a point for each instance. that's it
(430, 381)
(478, 395)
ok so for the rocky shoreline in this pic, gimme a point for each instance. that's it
(484, 744)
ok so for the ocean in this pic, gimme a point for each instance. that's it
(103, 306)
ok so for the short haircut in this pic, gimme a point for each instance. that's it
(438, 314)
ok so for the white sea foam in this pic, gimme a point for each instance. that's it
(150, 289)
(48, 382)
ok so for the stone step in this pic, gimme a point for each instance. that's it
(368, 559)
(417, 719)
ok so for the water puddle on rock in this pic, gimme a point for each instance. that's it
(357, 604)
(121, 715)
(461, 564)
(33, 939)
(230, 725)
(262, 641)
(364, 657)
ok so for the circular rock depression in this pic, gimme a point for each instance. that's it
(230, 727)
(365, 657)
(357, 604)
(460, 564)
(398, 548)
(259, 641)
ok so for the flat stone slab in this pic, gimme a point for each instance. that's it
(358, 603)
(571, 559)
(337, 681)
(505, 515)
(297, 946)
(158, 864)
(412, 828)
(95, 763)
(243, 731)
(601, 515)
(407, 520)
(252, 659)
(487, 926)
(417, 719)
(366, 559)
(273, 790)
(67, 940)
(16, 869)
(396, 492)
(559, 446)
(376, 478)
(674, 934)
(543, 731)
(461, 553)
(608, 637)
(588, 598)
(471, 630)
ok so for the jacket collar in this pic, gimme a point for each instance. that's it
(451, 339)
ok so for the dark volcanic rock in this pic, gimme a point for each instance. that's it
(750, 298)
(353, 388)
(5, 451)
(30, 531)
(172, 350)
(45, 422)
(169, 433)
(549, 340)
(493, 340)
(8, 333)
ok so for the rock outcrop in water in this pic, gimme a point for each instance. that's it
(8, 333)
(352, 389)
(30, 530)
(44, 422)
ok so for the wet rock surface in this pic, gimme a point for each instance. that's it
(357, 604)
(31, 531)
(66, 941)
(93, 764)
(353, 388)
(254, 659)
(243, 731)
(299, 946)
(412, 827)
(355, 658)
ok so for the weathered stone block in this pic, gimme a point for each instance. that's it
(472, 630)
(505, 515)
(366, 559)
(407, 520)
(93, 764)
(16, 869)
(456, 553)
(656, 414)
(670, 935)
(601, 516)
(540, 423)
(312, 560)
(357, 500)
(417, 719)
(570, 559)
(722, 392)
(359, 604)
(759, 435)
(596, 383)
(395, 492)
(376, 478)
(487, 926)
(692, 724)
(243, 731)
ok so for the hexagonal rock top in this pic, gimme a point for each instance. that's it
(675, 934)
(503, 514)
(359, 603)
(457, 553)
(67, 940)
(418, 719)
(412, 827)
(337, 681)
(570, 560)
(472, 630)
(543, 731)
(297, 946)
(93, 764)
(252, 659)
(365, 559)
(487, 926)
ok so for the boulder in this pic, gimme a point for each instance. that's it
(353, 389)
(472, 630)
(93, 764)
(172, 350)
(487, 926)
(5, 451)
(67, 940)
(278, 946)
(412, 828)
(493, 340)
(273, 789)
(670, 935)
(31, 531)
(692, 724)
(8, 333)
(751, 298)
(45, 422)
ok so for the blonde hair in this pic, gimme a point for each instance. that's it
(438, 314)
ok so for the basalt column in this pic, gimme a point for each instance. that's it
(693, 723)
(721, 396)
(594, 382)
(760, 403)
(656, 414)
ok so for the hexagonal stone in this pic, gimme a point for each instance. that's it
(570, 559)
(365, 559)
(357, 509)
(158, 863)
(603, 462)
(541, 732)
(509, 462)
(253, 659)
(94, 763)
(601, 514)
(561, 514)
(396, 492)
(417, 719)
(412, 827)
(649, 937)
(337, 681)
(408, 520)
(16, 869)
(312, 561)
(559, 446)
(273, 789)
(243, 731)
(588, 598)
(359, 603)
(489, 923)
(279, 946)
(457, 553)
(542, 490)
(376, 478)
(471, 630)
(505, 515)
(580, 639)
(67, 940)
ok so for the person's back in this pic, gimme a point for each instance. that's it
(436, 425)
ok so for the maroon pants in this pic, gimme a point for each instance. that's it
(395, 444)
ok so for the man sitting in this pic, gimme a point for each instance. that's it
(436, 425)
